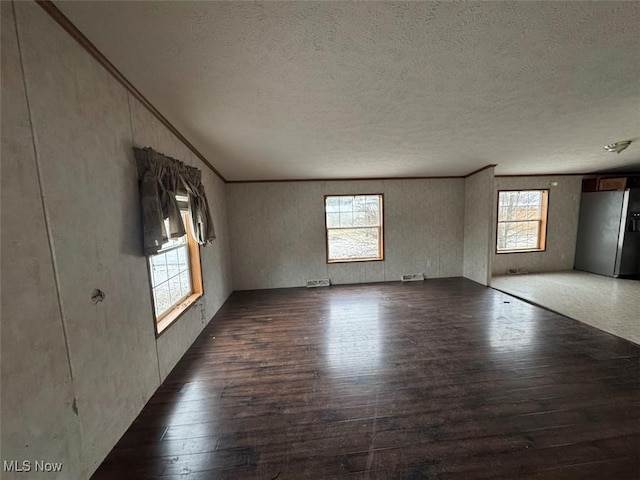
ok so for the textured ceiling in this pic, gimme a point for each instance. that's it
(280, 90)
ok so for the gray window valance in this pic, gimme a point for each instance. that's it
(161, 179)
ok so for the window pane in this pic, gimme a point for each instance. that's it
(502, 237)
(507, 197)
(503, 213)
(353, 233)
(174, 288)
(185, 284)
(518, 235)
(534, 211)
(359, 203)
(360, 219)
(373, 203)
(172, 263)
(531, 197)
(522, 205)
(366, 219)
(170, 271)
(183, 258)
(525, 235)
(161, 298)
(373, 217)
(333, 204)
(520, 219)
(353, 243)
(171, 278)
(333, 220)
(346, 219)
(158, 269)
(346, 204)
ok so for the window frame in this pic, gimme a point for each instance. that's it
(543, 222)
(169, 317)
(380, 227)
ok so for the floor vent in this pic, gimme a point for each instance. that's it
(323, 282)
(516, 271)
(414, 277)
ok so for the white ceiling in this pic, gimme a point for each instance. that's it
(293, 90)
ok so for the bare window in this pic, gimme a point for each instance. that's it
(175, 275)
(354, 228)
(522, 220)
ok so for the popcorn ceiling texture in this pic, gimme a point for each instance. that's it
(383, 89)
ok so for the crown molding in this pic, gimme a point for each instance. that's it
(350, 179)
(543, 175)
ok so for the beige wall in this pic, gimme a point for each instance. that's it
(564, 207)
(71, 223)
(479, 202)
(278, 237)
(37, 393)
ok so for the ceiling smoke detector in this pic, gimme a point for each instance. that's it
(618, 146)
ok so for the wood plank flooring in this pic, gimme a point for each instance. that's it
(442, 379)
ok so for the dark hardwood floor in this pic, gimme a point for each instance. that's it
(442, 379)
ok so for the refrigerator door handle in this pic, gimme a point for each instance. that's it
(621, 232)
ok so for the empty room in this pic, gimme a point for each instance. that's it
(320, 240)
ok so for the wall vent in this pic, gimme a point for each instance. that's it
(323, 282)
(516, 271)
(412, 277)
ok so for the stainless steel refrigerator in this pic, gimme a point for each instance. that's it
(609, 233)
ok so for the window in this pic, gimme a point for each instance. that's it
(354, 228)
(176, 280)
(522, 221)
